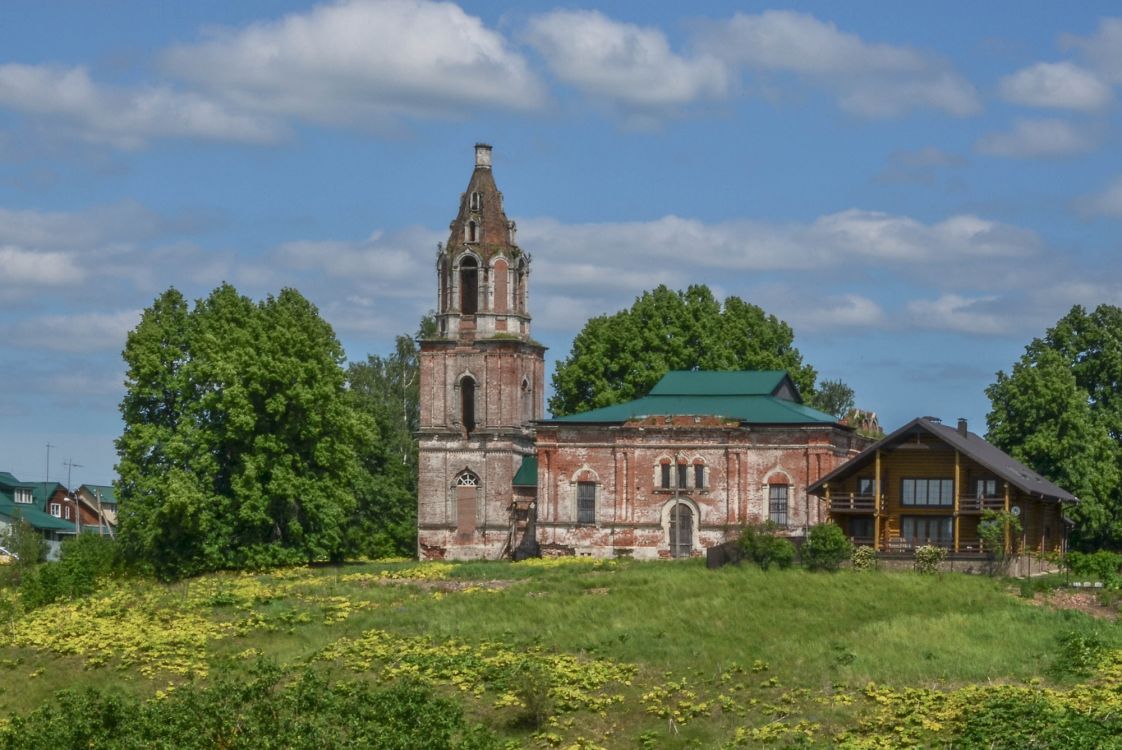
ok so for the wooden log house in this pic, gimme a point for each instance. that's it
(928, 483)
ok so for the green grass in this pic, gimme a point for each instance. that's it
(809, 635)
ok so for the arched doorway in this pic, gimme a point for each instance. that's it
(467, 494)
(681, 530)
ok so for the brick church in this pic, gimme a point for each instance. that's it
(666, 475)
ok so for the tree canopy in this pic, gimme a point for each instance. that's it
(1059, 410)
(240, 446)
(620, 357)
(388, 388)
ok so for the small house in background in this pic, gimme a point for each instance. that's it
(42, 504)
(97, 504)
(928, 483)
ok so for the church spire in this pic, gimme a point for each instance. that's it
(482, 273)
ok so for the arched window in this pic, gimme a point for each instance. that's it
(467, 404)
(527, 400)
(698, 474)
(469, 286)
(520, 287)
(467, 495)
(471, 232)
(476, 201)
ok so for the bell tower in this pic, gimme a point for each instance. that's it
(482, 381)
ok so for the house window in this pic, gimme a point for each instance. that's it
(23, 496)
(866, 486)
(986, 488)
(777, 504)
(586, 502)
(683, 472)
(67, 512)
(931, 492)
(699, 476)
(56, 510)
(861, 529)
(665, 476)
(918, 530)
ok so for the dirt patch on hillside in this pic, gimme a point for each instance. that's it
(1082, 601)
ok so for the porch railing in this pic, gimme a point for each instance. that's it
(852, 503)
(977, 504)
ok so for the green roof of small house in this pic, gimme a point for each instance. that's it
(751, 397)
(527, 474)
(108, 496)
(34, 516)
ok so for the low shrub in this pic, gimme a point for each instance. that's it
(269, 709)
(928, 558)
(83, 563)
(763, 546)
(1102, 565)
(864, 558)
(1078, 654)
(827, 547)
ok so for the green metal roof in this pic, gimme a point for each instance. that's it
(527, 475)
(708, 383)
(7, 480)
(108, 496)
(34, 516)
(42, 492)
(744, 396)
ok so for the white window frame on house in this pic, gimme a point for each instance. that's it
(56, 510)
(66, 512)
(23, 496)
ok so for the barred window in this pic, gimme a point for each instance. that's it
(586, 502)
(777, 504)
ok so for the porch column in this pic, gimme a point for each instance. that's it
(957, 492)
(1007, 508)
(876, 506)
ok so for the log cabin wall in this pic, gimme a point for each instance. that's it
(925, 460)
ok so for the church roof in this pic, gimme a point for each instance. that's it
(527, 474)
(750, 397)
(493, 227)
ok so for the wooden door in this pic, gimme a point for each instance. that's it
(681, 531)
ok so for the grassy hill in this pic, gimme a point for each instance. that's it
(586, 654)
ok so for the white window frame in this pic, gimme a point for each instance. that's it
(56, 510)
(23, 496)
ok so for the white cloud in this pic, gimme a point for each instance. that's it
(832, 312)
(1038, 138)
(20, 268)
(70, 230)
(79, 332)
(123, 117)
(953, 312)
(1061, 85)
(1103, 50)
(919, 165)
(870, 80)
(361, 62)
(1105, 203)
(623, 63)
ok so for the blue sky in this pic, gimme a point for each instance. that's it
(918, 189)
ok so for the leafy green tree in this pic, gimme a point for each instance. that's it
(1059, 411)
(388, 389)
(833, 397)
(26, 546)
(620, 357)
(240, 447)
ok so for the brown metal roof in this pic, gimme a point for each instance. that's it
(972, 445)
